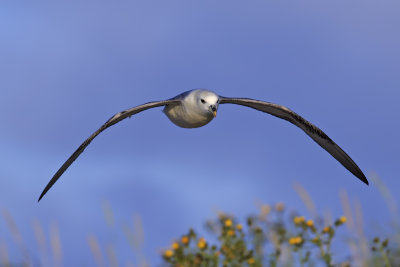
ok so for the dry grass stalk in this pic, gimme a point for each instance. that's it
(96, 251)
(306, 198)
(56, 244)
(4, 254)
(16, 235)
(41, 240)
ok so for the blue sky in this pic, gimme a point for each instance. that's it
(67, 67)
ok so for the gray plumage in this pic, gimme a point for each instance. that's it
(196, 108)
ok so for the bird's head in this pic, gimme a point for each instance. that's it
(208, 102)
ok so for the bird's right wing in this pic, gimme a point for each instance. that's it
(310, 129)
(113, 120)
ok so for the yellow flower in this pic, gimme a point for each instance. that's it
(310, 223)
(202, 243)
(185, 240)
(251, 261)
(265, 209)
(295, 240)
(326, 229)
(298, 219)
(341, 221)
(228, 222)
(279, 206)
(168, 253)
(224, 249)
(239, 227)
(175, 245)
(231, 233)
(315, 240)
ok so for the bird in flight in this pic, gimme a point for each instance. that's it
(196, 108)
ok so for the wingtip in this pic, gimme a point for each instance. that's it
(363, 178)
(41, 195)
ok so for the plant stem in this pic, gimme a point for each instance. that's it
(385, 257)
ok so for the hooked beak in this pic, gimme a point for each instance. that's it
(214, 110)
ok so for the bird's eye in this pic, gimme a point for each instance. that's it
(202, 101)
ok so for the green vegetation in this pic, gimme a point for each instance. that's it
(271, 238)
(274, 236)
(277, 237)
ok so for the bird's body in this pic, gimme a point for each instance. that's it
(196, 108)
(190, 111)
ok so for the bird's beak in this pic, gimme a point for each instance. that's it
(214, 110)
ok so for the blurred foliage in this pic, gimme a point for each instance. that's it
(273, 237)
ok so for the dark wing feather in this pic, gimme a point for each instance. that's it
(113, 120)
(310, 129)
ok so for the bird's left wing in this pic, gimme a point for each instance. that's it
(113, 120)
(310, 129)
